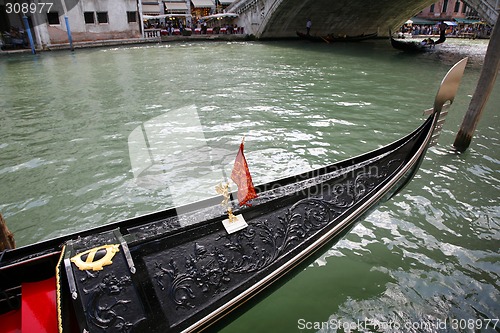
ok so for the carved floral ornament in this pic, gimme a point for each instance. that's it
(217, 263)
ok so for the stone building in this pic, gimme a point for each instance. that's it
(89, 20)
(448, 10)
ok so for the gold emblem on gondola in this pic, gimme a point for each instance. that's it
(88, 263)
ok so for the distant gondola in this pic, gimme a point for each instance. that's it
(330, 38)
(424, 45)
(170, 272)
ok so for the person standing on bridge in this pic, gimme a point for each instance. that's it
(308, 25)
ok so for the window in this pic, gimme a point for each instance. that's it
(445, 6)
(131, 17)
(89, 17)
(457, 7)
(4, 19)
(464, 8)
(432, 8)
(53, 18)
(102, 17)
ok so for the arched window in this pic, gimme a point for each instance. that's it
(445, 6)
(457, 7)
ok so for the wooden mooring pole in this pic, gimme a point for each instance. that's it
(484, 87)
(6, 237)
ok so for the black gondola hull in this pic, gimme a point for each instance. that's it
(425, 45)
(187, 278)
(169, 272)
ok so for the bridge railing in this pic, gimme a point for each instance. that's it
(152, 33)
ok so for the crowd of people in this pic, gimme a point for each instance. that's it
(460, 30)
(178, 26)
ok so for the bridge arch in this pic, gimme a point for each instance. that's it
(282, 18)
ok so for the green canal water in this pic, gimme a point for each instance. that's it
(426, 261)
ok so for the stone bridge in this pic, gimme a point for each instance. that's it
(282, 18)
(487, 9)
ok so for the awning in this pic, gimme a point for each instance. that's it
(421, 21)
(226, 2)
(151, 9)
(450, 23)
(177, 6)
(219, 15)
(467, 21)
(203, 3)
(156, 17)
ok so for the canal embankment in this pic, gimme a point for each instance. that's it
(132, 41)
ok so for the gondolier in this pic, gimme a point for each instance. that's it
(308, 26)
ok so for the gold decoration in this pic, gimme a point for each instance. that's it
(90, 264)
(223, 189)
(231, 217)
(58, 292)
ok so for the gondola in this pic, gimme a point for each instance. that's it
(170, 272)
(330, 38)
(417, 47)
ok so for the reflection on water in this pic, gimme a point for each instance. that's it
(171, 151)
(428, 255)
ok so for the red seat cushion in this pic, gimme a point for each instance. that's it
(10, 322)
(39, 312)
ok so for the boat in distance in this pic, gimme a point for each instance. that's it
(170, 272)
(331, 38)
(424, 45)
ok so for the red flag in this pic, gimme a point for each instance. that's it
(241, 176)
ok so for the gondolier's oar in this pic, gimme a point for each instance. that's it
(326, 40)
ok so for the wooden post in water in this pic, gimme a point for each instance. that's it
(6, 237)
(484, 87)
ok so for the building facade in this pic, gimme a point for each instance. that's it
(98, 20)
(448, 10)
(89, 20)
(461, 20)
(187, 12)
